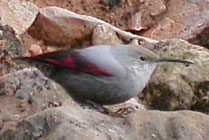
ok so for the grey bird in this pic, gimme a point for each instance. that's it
(104, 75)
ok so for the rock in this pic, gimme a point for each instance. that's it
(157, 19)
(18, 15)
(26, 92)
(144, 16)
(156, 7)
(183, 20)
(34, 107)
(76, 123)
(59, 26)
(177, 86)
(105, 36)
(115, 12)
(136, 22)
(35, 50)
(23, 94)
(201, 38)
(10, 47)
(110, 3)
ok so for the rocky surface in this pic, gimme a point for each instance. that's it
(158, 19)
(104, 35)
(117, 12)
(30, 111)
(176, 86)
(19, 15)
(183, 20)
(74, 123)
(26, 92)
(34, 107)
(10, 47)
(58, 26)
(55, 25)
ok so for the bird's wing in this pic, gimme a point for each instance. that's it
(84, 61)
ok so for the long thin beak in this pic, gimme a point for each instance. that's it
(173, 60)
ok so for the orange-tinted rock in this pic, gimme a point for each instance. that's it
(145, 15)
(35, 50)
(59, 26)
(183, 19)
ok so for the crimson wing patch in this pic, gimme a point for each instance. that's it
(69, 59)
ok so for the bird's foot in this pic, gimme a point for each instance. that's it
(125, 111)
(114, 114)
(92, 105)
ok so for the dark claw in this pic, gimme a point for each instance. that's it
(125, 111)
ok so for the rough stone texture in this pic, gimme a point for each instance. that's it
(27, 92)
(176, 86)
(201, 38)
(104, 35)
(76, 123)
(158, 19)
(183, 19)
(35, 50)
(60, 26)
(116, 12)
(9, 47)
(144, 17)
(156, 7)
(30, 87)
(19, 15)
(31, 46)
(136, 22)
(34, 107)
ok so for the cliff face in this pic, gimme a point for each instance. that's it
(34, 107)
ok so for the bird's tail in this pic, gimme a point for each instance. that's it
(32, 61)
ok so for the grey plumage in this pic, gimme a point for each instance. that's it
(103, 74)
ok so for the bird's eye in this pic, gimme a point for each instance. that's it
(142, 58)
